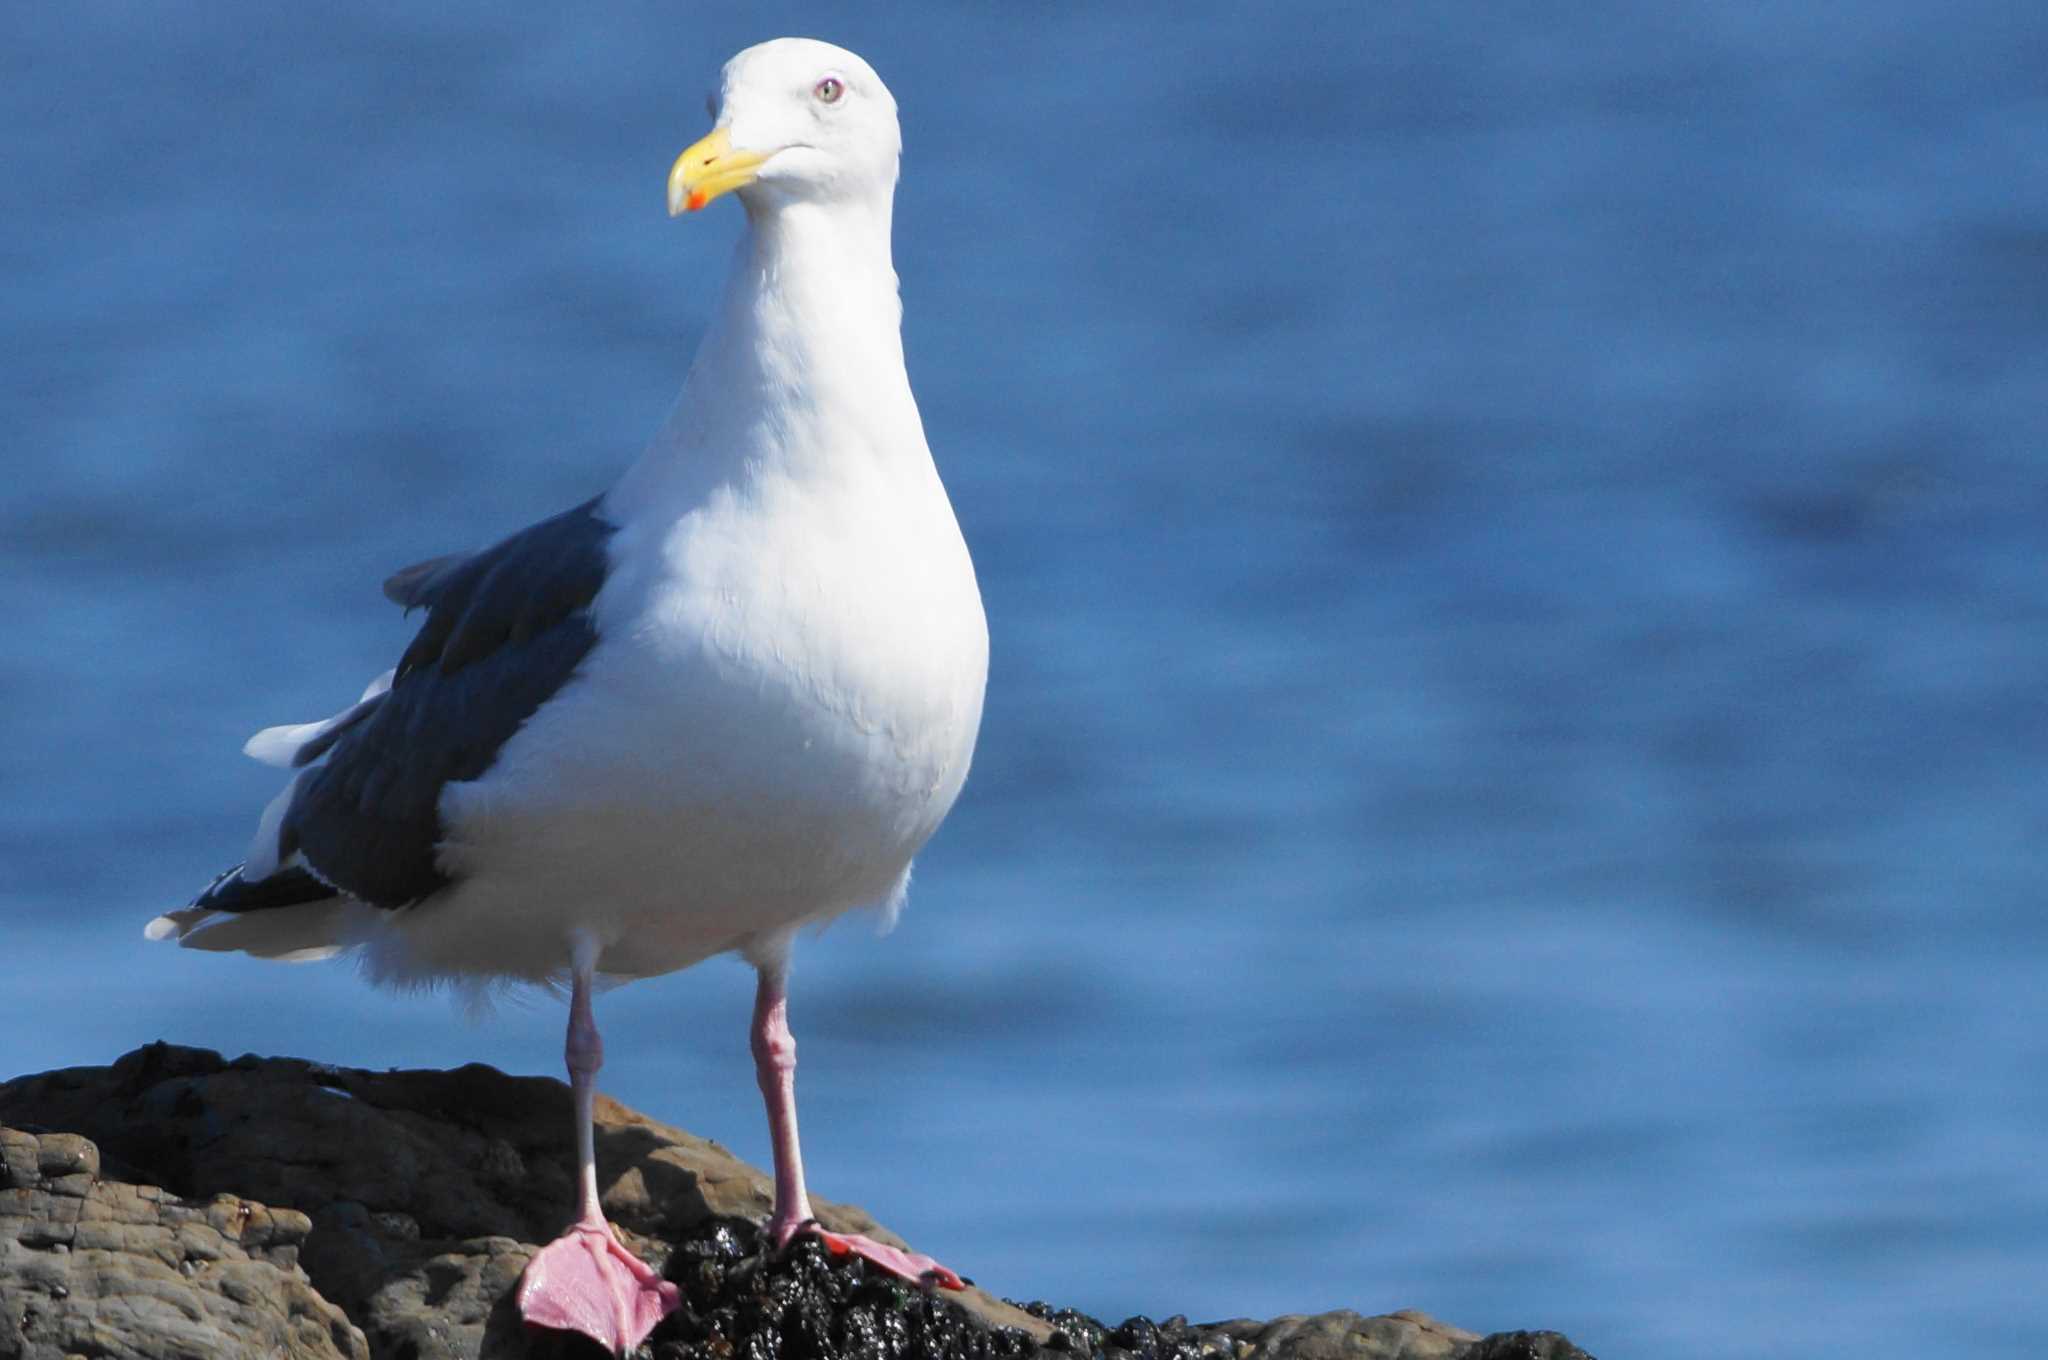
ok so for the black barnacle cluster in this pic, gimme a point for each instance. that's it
(741, 1302)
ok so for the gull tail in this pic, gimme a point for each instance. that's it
(289, 915)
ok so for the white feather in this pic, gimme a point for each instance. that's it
(280, 746)
(175, 925)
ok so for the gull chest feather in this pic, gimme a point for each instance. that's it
(846, 629)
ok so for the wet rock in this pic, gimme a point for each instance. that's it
(143, 1212)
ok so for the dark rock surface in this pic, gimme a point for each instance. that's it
(176, 1204)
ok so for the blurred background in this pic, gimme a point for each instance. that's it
(1512, 779)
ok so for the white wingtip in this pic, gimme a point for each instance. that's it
(176, 925)
(279, 745)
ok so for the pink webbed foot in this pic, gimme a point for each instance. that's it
(913, 1266)
(586, 1281)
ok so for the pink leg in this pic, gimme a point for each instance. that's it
(585, 1280)
(775, 1067)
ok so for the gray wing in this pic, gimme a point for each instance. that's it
(505, 629)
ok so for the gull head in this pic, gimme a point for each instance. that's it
(792, 120)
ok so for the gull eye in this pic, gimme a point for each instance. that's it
(829, 90)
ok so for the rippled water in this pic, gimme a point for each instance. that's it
(1511, 782)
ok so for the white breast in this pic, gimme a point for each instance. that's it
(780, 710)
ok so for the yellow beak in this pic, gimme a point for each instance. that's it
(710, 168)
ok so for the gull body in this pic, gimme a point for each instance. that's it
(792, 658)
(732, 696)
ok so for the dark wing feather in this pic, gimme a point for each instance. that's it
(505, 629)
(286, 888)
(417, 584)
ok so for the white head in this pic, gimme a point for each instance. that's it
(794, 119)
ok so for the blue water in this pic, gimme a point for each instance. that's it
(1512, 780)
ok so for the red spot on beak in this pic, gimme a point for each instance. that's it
(696, 200)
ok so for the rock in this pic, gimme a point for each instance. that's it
(1347, 1336)
(176, 1204)
(1524, 1346)
(105, 1268)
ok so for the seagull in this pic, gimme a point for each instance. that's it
(730, 697)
